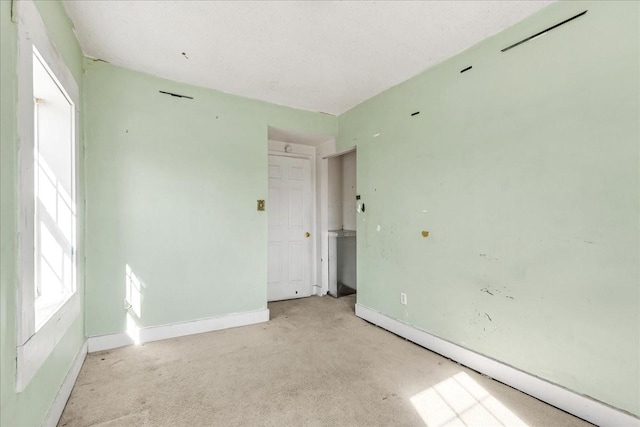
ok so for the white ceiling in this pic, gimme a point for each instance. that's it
(323, 56)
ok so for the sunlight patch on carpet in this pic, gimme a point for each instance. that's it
(460, 401)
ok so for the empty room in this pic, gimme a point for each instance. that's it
(319, 213)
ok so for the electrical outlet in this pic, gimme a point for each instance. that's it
(403, 298)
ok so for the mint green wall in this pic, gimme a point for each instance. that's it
(526, 166)
(172, 186)
(525, 171)
(30, 407)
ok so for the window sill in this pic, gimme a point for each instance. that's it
(33, 353)
(46, 308)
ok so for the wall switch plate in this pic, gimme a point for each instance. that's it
(403, 298)
(260, 205)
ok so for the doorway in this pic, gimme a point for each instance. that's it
(313, 148)
(290, 225)
(341, 212)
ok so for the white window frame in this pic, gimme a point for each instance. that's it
(42, 310)
(33, 348)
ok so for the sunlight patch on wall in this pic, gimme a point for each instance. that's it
(133, 330)
(133, 303)
(133, 292)
(460, 401)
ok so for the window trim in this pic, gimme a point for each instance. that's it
(34, 348)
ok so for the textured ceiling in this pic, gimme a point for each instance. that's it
(323, 56)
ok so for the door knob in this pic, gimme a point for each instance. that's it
(307, 234)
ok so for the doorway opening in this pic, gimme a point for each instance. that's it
(341, 220)
(296, 227)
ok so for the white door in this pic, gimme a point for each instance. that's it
(289, 208)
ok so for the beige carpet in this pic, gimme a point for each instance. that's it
(315, 363)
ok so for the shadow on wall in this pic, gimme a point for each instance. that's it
(133, 303)
(460, 401)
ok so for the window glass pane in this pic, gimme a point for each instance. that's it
(50, 251)
(54, 193)
(54, 126)
(46, 191)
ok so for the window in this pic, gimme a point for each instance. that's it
(48, 298)
(54, 193)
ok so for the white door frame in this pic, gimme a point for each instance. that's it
(314, 287)
(324, 157)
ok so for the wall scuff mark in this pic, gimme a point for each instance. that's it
(543, 31)
(175, 94)
(13, 12)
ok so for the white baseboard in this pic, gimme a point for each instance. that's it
(162, 332)
(55, 411)
(108, 342)
(581, 406)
